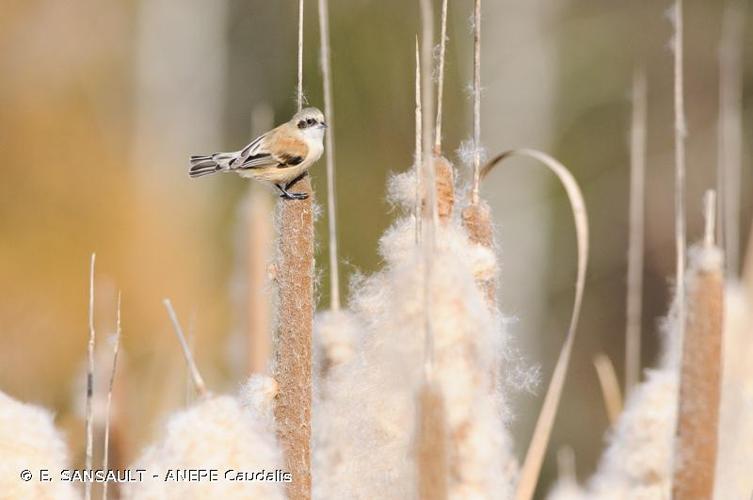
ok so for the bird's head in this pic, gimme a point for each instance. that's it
(310, 121)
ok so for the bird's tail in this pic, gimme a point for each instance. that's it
(204, 165)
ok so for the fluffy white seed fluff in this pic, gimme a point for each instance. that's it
(735, 463)
(29, 440)
(219, 432)
(363, 425)
(335, 337)
(637, 464)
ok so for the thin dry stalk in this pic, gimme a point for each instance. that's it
(299, 87)
(418, 156)
(90, 382)
(431, 444)
(115, 349)
(529, 474)
(610, 387)
(292, 343)
(730, 129)
(476, 101)
(329, 138)
(198, 381)
(440, 81)
(445, 185)
(430, 215)
(698, 412)
(635, 245)
(747, 274)
(680, 135)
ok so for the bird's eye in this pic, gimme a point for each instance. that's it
(310, 121)
(302, 124)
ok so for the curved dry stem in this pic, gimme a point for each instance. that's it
(534, 457)
(329, 112)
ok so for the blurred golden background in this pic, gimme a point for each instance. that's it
(101, 103)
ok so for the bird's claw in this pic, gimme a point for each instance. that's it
(294, 196)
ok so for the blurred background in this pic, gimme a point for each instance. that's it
(101, 103)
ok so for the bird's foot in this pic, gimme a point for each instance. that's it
(294, 196)
(287, 195)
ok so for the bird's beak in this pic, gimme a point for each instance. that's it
(323, 125)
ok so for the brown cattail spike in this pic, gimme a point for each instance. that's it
(292, 344)
(445, 178)
(698, 412)
(477, 221)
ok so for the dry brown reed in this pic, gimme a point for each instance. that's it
(680, 135)
(329, 152)
(700, 383)
(730, 133)
(634, 299)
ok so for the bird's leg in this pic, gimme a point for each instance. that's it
(290, 196)
(293, 196)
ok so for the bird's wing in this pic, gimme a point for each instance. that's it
(255, 154)
(275, 148)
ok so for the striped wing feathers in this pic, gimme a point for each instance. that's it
(275, 148)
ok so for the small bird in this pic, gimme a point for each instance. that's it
(281, 156)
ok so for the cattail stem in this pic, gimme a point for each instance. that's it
(700, 383)
(115, 349)
(730, 129)
(418, 156)
(476, 102)
(440, 80)
(90, 382)
(430, 216)
(680, 134)
(329, 112)
(299, 87)
(635, 245)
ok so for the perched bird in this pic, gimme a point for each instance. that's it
(281, 156)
